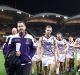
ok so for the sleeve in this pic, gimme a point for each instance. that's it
(10, 41)
(33, 48)
(32, 40)
(7, 38)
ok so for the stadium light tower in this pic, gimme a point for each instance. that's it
(19, 12)
(43, 16)
(15, 3)
(65, 17)
(2, 10)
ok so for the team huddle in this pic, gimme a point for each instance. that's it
(57, 52)
(52, 53)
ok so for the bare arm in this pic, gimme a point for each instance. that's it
(65, 46)
(57, 52)
(39, 49)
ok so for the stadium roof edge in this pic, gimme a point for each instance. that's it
(5, 7)
(73, 19)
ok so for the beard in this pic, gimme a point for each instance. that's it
(22, 33)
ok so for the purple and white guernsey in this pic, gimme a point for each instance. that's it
(5, 46)
(78, 43)
(48, 45)
(60, 44)
(70, 48)
(36, 45)
(27, 47)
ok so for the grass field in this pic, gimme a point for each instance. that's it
(2, 69)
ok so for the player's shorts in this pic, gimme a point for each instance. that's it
(35, 58)
(69, 56)
(62, 58)
(46, 60)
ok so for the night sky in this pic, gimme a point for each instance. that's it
(64, 7)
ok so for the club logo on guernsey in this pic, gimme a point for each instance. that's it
(47, 45)
(27, 41)
(78, 42)
(16, 40)
(60, 45)
(70, 48)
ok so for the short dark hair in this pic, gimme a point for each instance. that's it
(21, 22)
(59, 33)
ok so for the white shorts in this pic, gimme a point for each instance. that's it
(62, 58)
(69, 56)
(35, 58)
(46, 60)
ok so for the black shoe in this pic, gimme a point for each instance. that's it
(57, 74)
(39, 74)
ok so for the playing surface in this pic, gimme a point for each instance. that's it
(2, 69)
